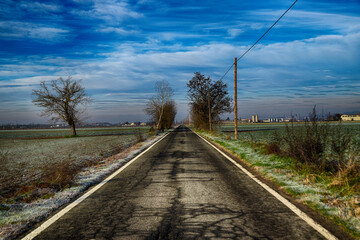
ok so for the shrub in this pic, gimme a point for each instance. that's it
(26, 193)
(139, 136)
(152, 131)
(322, 147)
(228, 136)
(317, 144)
(60, 175)
(273, 148)
(340, 143)
(307, 143)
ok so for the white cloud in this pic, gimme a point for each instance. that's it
(328, 20)
(328, 51)
(37, 7)
(24, 82)
(312, 20)
(169, 36)
(15, 9)
(109, 10)
(235, 32)
(16, 29)
(118, 30)
(48, 33)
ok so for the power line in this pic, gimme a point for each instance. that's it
(259, 39)
(227, 72)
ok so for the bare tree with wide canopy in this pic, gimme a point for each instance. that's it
(63, 99)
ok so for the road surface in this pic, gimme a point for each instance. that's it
(182, 188)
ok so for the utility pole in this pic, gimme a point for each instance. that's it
(208, 88)
(235, 99)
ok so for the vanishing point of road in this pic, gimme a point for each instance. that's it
(182, 188)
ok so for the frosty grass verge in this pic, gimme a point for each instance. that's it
(314, 194)
(20, 217)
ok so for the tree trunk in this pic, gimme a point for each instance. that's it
(160, 118)
(73, 130)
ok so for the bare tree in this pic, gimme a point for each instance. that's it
(208, 100)
(63, 100)
(161, 107)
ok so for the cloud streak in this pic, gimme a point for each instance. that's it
(109, 10)
(23, 30)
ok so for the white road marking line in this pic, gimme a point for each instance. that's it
(292, 207)
(54, 218)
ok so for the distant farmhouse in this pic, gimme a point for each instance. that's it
(350, 117)
(134, 124)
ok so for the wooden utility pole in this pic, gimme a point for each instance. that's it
(235, 99)
(208, 88)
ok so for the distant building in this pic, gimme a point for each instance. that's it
(275, 120)
(245, 120)
(255, 118)
(350, 117)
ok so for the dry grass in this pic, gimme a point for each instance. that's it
(273, 148)
(348, 176)
(59, 176)
(139, 136)
(53, 178)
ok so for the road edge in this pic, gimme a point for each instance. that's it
(319, 228)
(89, 192)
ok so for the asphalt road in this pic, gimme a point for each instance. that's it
(181, 189)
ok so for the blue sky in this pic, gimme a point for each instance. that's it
(121, 48)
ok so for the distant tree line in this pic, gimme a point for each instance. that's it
(24, 126)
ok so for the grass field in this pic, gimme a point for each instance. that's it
(25, 155)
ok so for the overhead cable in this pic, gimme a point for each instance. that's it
(259, 39)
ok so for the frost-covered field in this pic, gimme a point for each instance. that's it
(24, 153)
(17, 217)
(318, 194)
